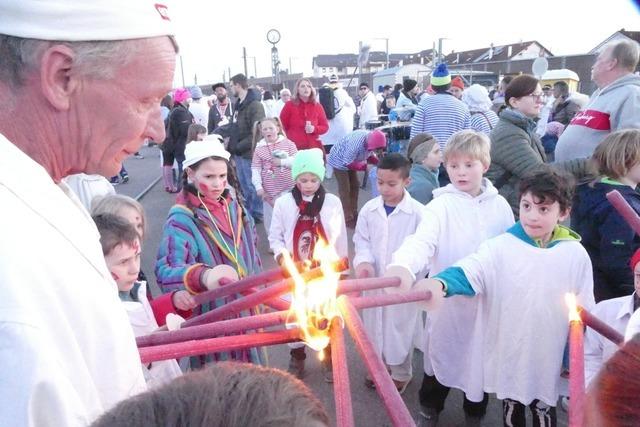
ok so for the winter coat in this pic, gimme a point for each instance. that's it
(180, 119)
(247, 112)
(608, 239)
(215, 117)
(294, 116)
(564, 111)
(516, 149)
(423, 182)
(611, 108)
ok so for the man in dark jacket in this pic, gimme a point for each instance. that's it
(248, 110)
(220, 111)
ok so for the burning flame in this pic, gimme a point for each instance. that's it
(570, 299)
(313, 305)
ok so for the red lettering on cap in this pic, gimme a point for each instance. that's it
(592, 119)
(163, 11)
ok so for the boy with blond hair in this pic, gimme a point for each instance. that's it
(460, 217)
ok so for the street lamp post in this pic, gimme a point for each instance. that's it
(386, 40)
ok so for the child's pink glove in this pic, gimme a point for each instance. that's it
(358, 166)
(373, 159)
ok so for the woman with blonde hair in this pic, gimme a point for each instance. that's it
(303, 117)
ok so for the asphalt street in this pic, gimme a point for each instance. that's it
(367, 406)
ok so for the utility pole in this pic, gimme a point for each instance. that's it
(255, 68)
(229, 74)
(440, 49)
(182, 70)
(244, 58)
(386, 40)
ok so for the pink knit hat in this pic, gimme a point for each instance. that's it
(181, 94)
(635, 259)
(376, 139)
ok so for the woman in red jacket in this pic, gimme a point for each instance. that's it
(303, 117)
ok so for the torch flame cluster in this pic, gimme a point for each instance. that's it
(570, 300)
(313, 305)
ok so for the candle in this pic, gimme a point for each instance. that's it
(576, 364)
(341, 387)
(393, 403)
(600, 327)
(625, 210)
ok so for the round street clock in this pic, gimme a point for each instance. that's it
(273, 36)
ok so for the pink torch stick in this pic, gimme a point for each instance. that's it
(626, 211)
(341, 387)
(259, 297)
(216, 345)
(576, 373)
(397, 410)
(600, 327)
(229, 288)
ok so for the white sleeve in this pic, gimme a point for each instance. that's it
(584, 280)
(278, 228)
(256, 178)
(417, 249)
(593, 351)
(362, 241)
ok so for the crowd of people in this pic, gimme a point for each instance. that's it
(473, 211)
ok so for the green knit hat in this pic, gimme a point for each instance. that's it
(311, 161)
(440, 76)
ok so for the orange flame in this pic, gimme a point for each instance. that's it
(313, 305)
(570, 299)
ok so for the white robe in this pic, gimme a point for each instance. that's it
(67, 351)
(616, 313)
(368, 109)
(525, 320)
(453, 226)
(88, 187)
(143, 322)
(376, 237)
(285, 215)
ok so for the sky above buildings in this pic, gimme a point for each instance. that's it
(212, 34)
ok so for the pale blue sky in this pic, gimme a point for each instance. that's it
(211, 34)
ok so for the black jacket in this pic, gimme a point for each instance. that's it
(246, 113)
(215, 117)
(177, 129)
(607, 237)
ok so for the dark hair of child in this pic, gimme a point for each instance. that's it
(396, 162)
(114, 230)
(548, 185)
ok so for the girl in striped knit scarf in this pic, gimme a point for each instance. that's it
(207, 227)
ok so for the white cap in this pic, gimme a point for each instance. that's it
(198, 150)
(88, 20)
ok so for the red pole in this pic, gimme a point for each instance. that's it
(390, 299)
(259, 297)
(357, 285)
(626, 211)
(217, 345)
(600, 327)
(393, 403)
(341, 387)
(214, 329)
(576, 373)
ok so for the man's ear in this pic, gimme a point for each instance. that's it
(407, 182)
(58, 77)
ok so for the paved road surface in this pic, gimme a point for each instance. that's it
(367, 407)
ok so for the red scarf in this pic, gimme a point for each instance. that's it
(308, 228)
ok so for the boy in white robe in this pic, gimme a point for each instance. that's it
(616, 313)
(121, 247)
(382, 225)
(523, 275)
(459, 218)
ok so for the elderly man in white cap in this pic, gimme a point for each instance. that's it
(93, 74)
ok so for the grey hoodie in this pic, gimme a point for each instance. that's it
(612, 108)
